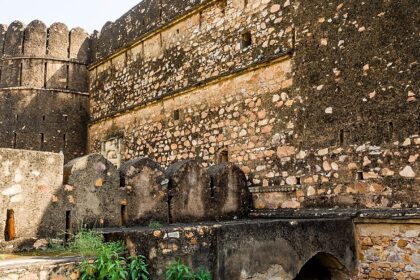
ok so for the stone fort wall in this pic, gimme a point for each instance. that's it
(43, 87)
(316, 101)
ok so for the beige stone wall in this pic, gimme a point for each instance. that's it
(388, 250)
(238, 114)
(28, 183)
(43, 270)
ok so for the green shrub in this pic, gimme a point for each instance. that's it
(109, 261)
(203, 274)
(179, 271)
(155, 224)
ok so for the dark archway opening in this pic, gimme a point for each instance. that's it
(323, 267)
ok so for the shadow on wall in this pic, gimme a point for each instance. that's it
(96, 194)
(323, 266)
(36, 62)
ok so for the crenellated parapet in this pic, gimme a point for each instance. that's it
(40, 57)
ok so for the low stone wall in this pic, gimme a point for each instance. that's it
(389, 249)
(63, 269)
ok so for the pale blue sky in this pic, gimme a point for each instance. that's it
(88, 14)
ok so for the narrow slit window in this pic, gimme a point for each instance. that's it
(359, 175)
(1, 70)
(212, 188)
(45, 74)
(14, 143)
(298, 181)
(246, 40)
(341, 137)
(124, 215)
(43, 118)
(176, 115)
(391, 131)
(10, 231)
(67, 76)
(42, 140)
(20, 74)
(68, 226)
(223, 157)
(64, 141)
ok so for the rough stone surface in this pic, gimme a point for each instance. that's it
(92, 192)
(189, 191)
(43, 85)
(28, 183)
(147, 188)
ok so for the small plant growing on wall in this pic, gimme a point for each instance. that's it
(179, 271)
(106, 260)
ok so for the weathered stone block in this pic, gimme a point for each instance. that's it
(189, 191)
(147, 187)
(92, 192)
(229, 192)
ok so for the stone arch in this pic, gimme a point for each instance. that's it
(323, 266)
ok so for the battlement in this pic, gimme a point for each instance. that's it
(37, 56)
(140, 20)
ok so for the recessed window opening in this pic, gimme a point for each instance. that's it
(391, 130)
(176, 115)
(42, 136)
(68, 228)
(223, 156)
(45, 74)
(17, 117)
(124, 215)
(64, 141)
(67, 76)
(1, 70)
(200, 20)
(14, 143)
(10, 231)
(341, 137)
(359, 175)
(212, 188)
(298, 181)
(20, 74)
(246, 40)
(66, 118)
(43, 118)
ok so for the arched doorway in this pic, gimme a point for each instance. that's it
(323, 266)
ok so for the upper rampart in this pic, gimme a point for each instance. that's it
(37, 56)
(140, 20)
